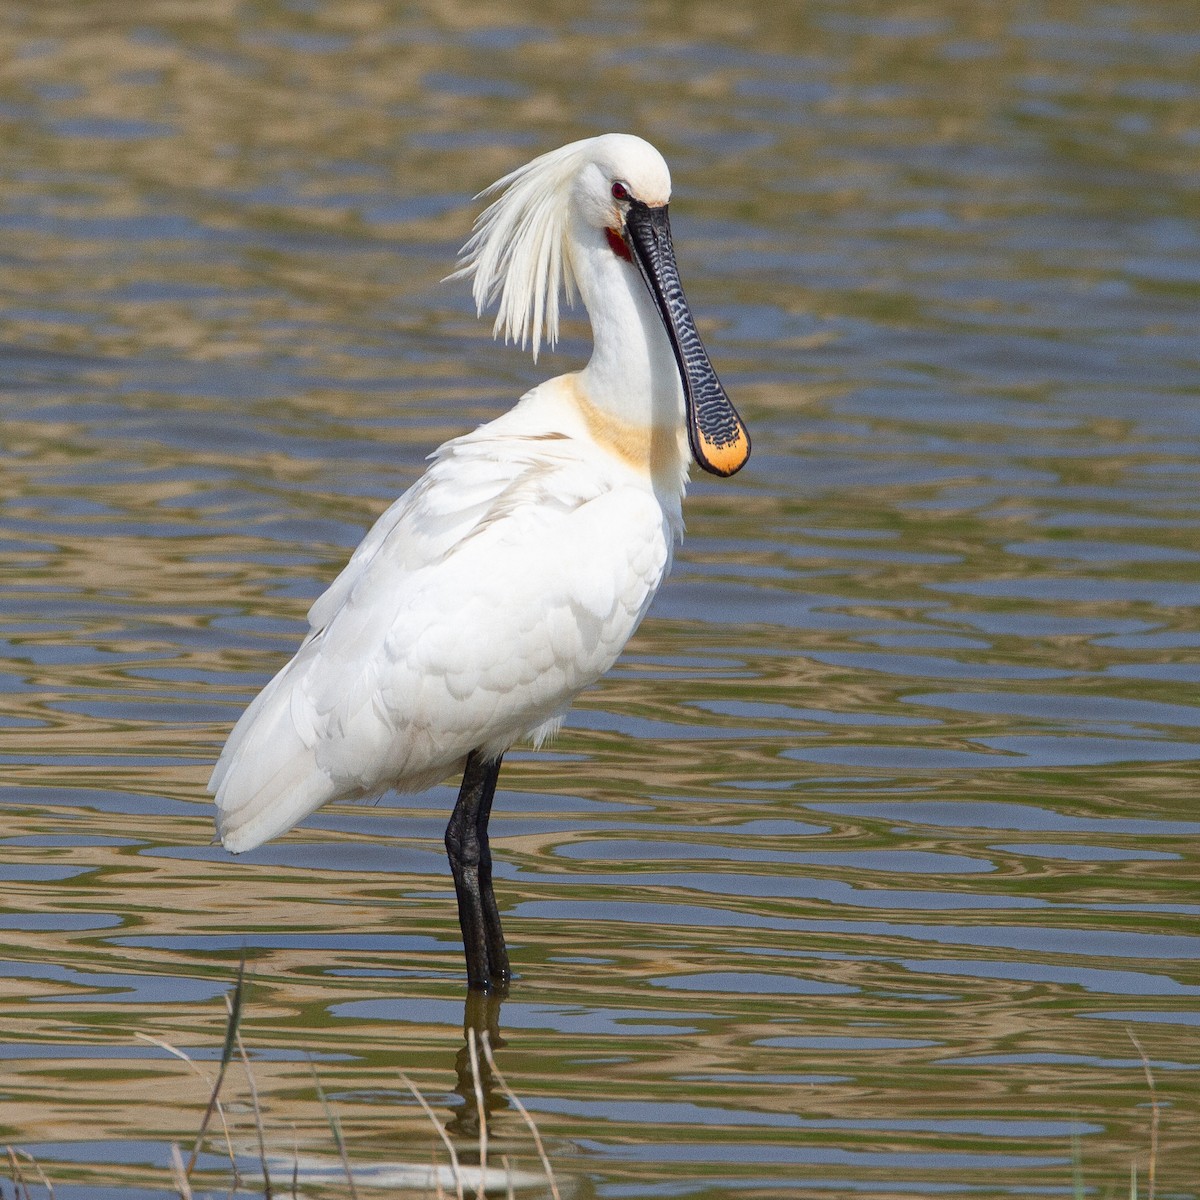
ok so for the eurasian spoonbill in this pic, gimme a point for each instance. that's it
(511, 575)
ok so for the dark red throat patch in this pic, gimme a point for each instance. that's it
(618, 245)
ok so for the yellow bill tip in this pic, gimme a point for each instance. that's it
(727, 457)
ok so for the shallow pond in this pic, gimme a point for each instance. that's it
(871, 868)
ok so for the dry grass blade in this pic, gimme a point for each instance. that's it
(336, 1129)
(182, 1055)
(185, 1057)
(514, 1100)
(1150, 1170)
(481, 1109)
(1076, 1162)
(180, 1174)
(295, 1163)
(235, 1014)
(437, 1125)
(18, 1179)
(258, 1121)
(37, 1166)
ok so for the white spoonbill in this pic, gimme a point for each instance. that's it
(511, 575)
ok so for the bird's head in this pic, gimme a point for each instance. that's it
(519, 255)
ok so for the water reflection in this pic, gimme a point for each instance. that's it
(853, 875)
(475, 1082)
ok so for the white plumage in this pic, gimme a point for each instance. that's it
(510, 576)
(480, 604)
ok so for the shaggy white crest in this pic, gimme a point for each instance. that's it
(519, 251)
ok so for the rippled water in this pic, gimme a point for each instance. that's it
(864, 869)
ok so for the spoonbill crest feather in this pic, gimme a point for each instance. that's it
(520, 250)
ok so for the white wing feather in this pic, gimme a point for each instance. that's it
(473, 612)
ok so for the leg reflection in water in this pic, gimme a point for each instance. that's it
(481, 1016)
(478, 1160)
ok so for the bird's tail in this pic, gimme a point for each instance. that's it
(267, 778)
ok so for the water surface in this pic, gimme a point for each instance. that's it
(871, 868)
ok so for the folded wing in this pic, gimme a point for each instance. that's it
(473, 612)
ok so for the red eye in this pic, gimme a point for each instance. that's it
(620, 191)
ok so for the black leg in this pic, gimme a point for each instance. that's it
(493, 933)
(471, 864)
